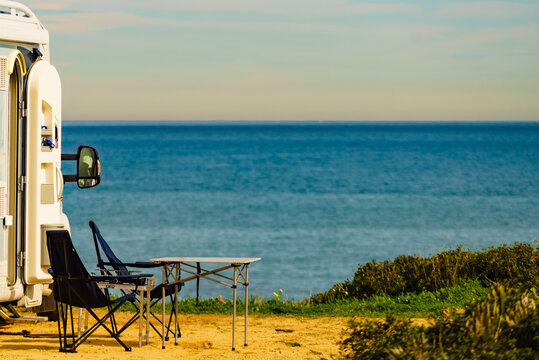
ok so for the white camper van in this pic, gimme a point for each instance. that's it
(31, 180)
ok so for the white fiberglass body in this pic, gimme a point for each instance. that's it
(31, 182)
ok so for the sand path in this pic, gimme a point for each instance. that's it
(203, 337)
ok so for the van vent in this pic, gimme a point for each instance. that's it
(3, 73)
(3, 199)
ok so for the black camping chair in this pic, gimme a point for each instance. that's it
(121, 268)
(74, 286)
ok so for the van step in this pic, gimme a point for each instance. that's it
(15, 317)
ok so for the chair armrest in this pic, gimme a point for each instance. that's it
(119, 272)
(141, 264)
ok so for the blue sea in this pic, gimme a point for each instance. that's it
(313, 200)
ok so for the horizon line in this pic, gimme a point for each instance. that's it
(295, 122)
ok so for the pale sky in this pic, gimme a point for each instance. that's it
(295, 59)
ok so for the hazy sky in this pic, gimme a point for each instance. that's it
(295, 59)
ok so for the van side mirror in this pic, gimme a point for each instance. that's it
(88, 167)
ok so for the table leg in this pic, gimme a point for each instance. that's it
(246, 300)
(234, 316)
(141, 307)
(176, 307)
(147, 315)
(163, 319)
(85, 320)
(80, 322)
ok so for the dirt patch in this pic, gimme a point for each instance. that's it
(203, 337)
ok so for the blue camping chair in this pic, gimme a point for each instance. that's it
(121, 268)
(74, 286)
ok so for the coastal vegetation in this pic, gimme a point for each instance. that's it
(516, 265)
(408, 286)
(504, 325)
(479, 305)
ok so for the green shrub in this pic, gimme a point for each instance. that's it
(516, 265)
(505, 325)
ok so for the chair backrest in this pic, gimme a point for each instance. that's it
(113, 259)
(72, 282)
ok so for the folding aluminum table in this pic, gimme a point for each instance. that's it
(172, 268)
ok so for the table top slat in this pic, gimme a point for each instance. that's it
(215, 260)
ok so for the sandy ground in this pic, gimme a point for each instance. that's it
(203, 337)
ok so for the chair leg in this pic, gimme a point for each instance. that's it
(128, 324)
(60, 316)
(72, 323)
(173, 313)
(62, 325)
(101, 322)
(112, 320)
(65, 313)
(155, 329)
(135, 317)
(62, 311)
(167, 326)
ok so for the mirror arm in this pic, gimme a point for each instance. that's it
(69, 156)
(70, 178)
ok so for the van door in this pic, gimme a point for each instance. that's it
(43, 180)
(15, 163)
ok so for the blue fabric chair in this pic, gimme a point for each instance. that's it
(121, 268)
(74, 286)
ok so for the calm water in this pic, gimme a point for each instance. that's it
(312, 200)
